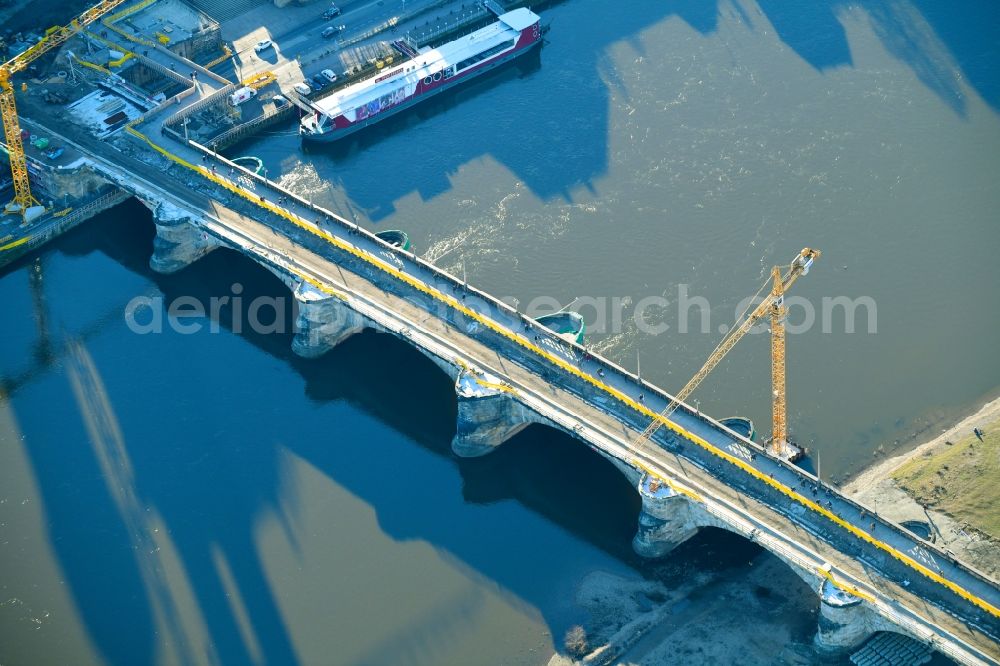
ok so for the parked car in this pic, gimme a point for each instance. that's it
(318, 82)
(55, 153)
(334, 10)
(279, 100)
(263, 45)
(302, 89)
(329, 75)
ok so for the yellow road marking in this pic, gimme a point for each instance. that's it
(850, 589)
(11, 246)
(667, 480)
(454, 303)
(226, 53)
(506, 388)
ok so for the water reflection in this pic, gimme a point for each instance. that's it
(551, 129)
(157, 522)
(944, 47)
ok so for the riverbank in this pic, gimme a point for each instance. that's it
(951, 482)
(701, 620)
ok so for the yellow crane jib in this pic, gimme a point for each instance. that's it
(55, 36)
(773, 305)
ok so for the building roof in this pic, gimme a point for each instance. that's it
(519, 19)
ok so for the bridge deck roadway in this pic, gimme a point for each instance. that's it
(598, 426)
(598, 414)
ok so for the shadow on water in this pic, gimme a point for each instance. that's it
(210, 488)
(526, 122)
(941, 43)
(923, 34)
(226, 485)
(223, 481)
(95, 496)
(530, 120)
(410, 120)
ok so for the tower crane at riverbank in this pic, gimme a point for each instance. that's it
(772, 306)
(23, 199)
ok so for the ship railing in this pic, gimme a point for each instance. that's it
(494, 7)
(450, 24)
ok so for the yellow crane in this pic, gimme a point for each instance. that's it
(774, 306)
(23, 200)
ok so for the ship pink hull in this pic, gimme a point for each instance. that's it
(342, 126)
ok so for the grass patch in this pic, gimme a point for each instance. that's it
(961, 480)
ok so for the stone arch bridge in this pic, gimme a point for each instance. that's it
(870, 574)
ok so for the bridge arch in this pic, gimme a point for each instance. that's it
(489, 412)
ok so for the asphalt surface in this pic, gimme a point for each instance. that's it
(588, 416)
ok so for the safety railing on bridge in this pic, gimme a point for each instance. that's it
(506, 331)
(61, 221)
(195, 67)
(236, 134)
(215, 99)
(494, 7)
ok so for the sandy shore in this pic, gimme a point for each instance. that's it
(876, 488)
(640, 622)
(703, 621)
(989, 412)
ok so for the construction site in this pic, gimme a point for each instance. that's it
(119, 65)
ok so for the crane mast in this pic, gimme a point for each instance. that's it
(773, 306)
(23, 199)
(779, 437)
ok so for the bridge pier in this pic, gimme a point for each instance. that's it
(845, 621)
(323, 321)
(488, 414)
(666, 520)
(178, 243)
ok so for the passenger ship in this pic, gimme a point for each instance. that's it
(426, 73)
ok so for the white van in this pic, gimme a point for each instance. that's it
(302, 89)
(242, 95)
(329, 75)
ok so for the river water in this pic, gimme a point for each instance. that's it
(208, 496)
